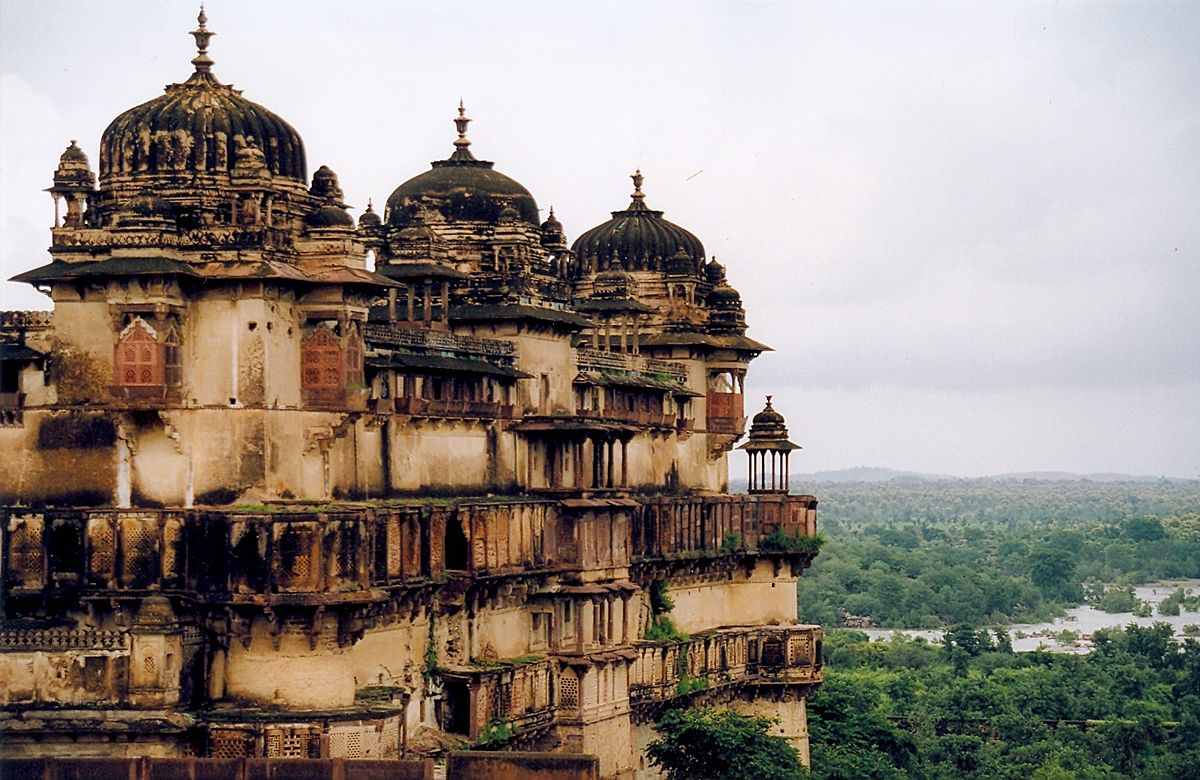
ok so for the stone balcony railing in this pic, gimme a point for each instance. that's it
(632, 416)
(755, 655)
(227, 236)
(517, 696)
(601, 360)
(351, 554)
(426, 407)
(437, 341)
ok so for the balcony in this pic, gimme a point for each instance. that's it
(631, 416)
(433, 407)
(742, 655)
(725, 414)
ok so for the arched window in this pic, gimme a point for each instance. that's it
(354, 356)
(138, 361)
(172, 358)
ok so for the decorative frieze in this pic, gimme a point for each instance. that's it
(58, 639)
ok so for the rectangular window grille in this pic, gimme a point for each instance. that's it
(568, 690)
(138, 361)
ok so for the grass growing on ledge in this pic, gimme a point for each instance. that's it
(495, 734)
(519, 660)
(688, 684)
(663, 629)
(778, 541)
(731, 544)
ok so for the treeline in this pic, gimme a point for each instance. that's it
(971, 708)
(928, 555)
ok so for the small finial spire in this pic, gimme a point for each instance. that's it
(769, 401)
(638, 178)
(202, 35)
(461, 144)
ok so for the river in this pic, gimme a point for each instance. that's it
(1082, 620)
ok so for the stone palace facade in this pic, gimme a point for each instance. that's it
(279, 482)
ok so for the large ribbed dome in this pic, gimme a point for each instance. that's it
(468, 188)
(197, 127)
(638, 237)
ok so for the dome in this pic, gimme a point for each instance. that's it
(724, 296)
(552, 225)
(613, 283)
(325, 185)
(197, 127)
(469, 188)
(329, 216)
(73, 171)
(768, 428)
(639, 237)
(681, 264)
(715, 272)
(369, 218)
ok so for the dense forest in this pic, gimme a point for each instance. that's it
(971, 708)
(934, 554)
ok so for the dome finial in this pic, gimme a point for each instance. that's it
(638, 178)
(202, 35)
(461, 144)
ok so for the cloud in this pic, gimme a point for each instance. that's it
(979, 214)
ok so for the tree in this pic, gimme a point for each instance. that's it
(1051, 570)
(711, 744)
(1145, 529)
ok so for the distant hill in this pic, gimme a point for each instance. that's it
(880, 474)
(869, 474)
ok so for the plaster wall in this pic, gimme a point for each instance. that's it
(296, 675)
(505, 632)
(791, 716)
(58, 678)
(75, 468)
(761, 599)
(440, 455)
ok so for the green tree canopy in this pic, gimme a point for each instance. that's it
(712, 744)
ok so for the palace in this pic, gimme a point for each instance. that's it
(281, 483)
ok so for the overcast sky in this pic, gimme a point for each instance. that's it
(970, 230)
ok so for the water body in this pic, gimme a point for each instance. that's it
(1083, 620)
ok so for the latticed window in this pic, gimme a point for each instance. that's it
(568, 691)
(321, 359)
(138, 361)
(322, 370)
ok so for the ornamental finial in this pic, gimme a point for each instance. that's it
(202, 35)
(461, 152)
(638, 178)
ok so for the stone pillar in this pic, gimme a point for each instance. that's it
(427, 314)
(408, 293)
(624, 463)
(446, 302)
(587, 623)
(609, 481)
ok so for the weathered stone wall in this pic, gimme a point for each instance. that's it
(485, 765)
(760, 598)
(154, 768)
